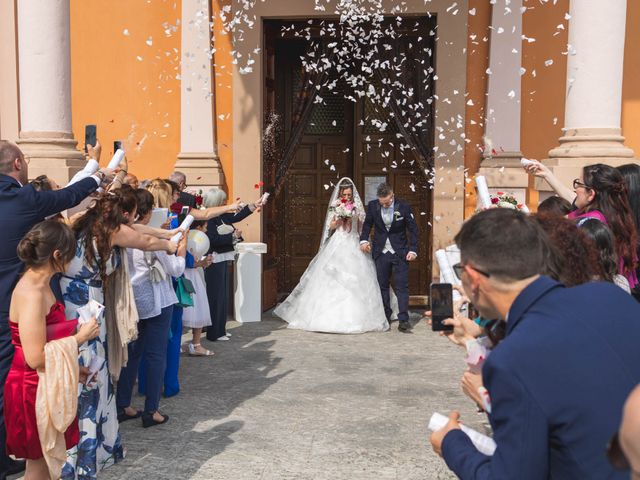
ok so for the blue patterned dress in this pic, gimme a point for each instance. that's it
(100, 444)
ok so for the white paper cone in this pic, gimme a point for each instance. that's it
(116, 159)
(484, 199)
(483, 443)
(446, 271)
(186, 223)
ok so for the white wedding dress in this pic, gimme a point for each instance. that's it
(339, 291)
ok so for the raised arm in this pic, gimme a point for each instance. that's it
(154, 232)
(520, 431)
(55, 201)
(542, 171)
(213, 212)
(127, 237)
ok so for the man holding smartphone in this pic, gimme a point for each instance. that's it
(560, 377)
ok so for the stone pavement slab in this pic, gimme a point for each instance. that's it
(279, 404)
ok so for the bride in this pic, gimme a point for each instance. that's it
(339, 291)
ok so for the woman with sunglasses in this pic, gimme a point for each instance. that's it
(601, 193)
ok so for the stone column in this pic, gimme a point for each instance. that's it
(592, 118)
(9, 106)
(198, 158)
(501, 160)
(44, 62)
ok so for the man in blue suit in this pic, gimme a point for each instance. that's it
(22, 207)
(392, 250)
(559, 379)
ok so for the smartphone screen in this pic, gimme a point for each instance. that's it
(117, 145)
(441, 306)
(90, 136)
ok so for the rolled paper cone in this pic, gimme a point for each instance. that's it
(116, 159)
(186, 223)
(89, 169)
(485, 445)
(447, 272)
(525, 162)
(525, 209)
(483, 191)
(264, 198)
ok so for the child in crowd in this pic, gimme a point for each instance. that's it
(198, 316)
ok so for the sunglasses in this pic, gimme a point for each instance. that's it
(578, 184)
(458, 268)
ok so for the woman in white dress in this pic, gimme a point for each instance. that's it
(339, 291)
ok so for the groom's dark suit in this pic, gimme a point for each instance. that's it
(391, 257)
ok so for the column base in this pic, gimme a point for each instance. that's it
(203, 170)
(585, 146)
(53, 154)
(504, 172)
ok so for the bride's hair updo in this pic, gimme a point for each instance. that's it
(37, 247)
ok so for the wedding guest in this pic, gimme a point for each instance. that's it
(555, 205)
(37, 318)
(553, 407)
(155, 297)
(631, 174)
(185, 198)
(602, 239)
(22, 207)
(199, 316)
(101, 233)
(222, 237)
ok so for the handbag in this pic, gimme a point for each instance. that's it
(156, 272)
(184, 292)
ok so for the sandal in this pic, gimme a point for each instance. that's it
(195, 353)
(149, 421)
(124, 416)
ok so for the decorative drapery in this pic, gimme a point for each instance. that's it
(312, 82)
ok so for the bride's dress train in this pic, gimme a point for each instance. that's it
(339, 291)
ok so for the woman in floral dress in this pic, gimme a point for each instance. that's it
(104, 228)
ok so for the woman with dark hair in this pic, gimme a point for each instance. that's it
(100, 233)
(631, 174)
(38, 318)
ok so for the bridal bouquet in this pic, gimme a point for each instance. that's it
(506, 200)
(343, 208)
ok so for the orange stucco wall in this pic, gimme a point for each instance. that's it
(133, 99)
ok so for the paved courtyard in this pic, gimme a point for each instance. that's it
(284, 404)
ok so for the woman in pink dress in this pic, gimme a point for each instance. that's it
(37, 318)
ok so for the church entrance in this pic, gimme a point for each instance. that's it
(342, 137)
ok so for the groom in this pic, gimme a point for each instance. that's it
(392, 250)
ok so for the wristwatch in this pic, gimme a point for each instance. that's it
(100, 175)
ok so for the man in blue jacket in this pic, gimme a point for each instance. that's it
(22, 207)
(391, 220)
(559, 379)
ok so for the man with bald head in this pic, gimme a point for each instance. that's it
(22, 207)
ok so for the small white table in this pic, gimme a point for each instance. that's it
(248, 282)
